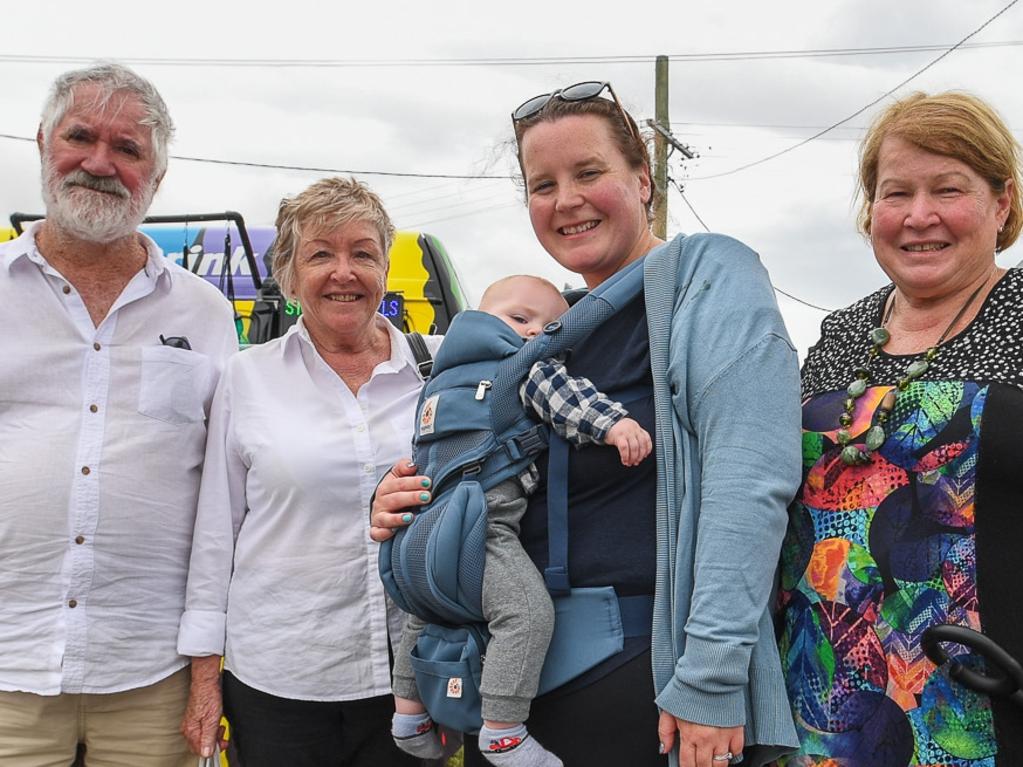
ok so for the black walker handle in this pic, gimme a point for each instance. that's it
(1009, 683)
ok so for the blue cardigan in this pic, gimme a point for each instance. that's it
(726, 393)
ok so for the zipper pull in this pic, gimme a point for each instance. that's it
(481, 390)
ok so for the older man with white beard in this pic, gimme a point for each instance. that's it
(110, 355)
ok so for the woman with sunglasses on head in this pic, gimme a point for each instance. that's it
(699, 529)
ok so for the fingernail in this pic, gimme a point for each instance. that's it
(424, 497)
(207, 752)
(411, 465)
(425, 482)
(660, 748)
(406, 518)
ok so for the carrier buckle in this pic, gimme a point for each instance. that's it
(556, 579)
(425, 368)
(533, 442)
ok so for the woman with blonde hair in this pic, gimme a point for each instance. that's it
(283, 579)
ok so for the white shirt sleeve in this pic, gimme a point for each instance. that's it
(222, 507)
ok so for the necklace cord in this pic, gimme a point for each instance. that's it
(856, 455)
(952, 324)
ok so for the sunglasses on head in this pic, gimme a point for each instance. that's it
(585, 91)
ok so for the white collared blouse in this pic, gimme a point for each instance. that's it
(283, 579)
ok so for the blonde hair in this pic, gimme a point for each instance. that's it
(952, 124)
(328, 204)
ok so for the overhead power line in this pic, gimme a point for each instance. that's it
(862, 109)
(797, 299)
(310, 168)
(490, 61)
(348, 171)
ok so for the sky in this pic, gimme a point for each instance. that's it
(427, 88)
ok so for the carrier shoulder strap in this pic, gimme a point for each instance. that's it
(424, 360)
(636, 611)
(561, 335)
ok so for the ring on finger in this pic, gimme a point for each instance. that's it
(725, 757)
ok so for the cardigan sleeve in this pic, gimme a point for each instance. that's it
(735, 400)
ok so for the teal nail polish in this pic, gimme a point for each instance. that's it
(425, 482)
(424, 497)
(406, 518)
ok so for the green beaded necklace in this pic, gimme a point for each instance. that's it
(856, 455)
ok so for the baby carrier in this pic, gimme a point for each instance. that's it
(472, 433)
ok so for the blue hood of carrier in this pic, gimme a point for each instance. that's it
(476, 336)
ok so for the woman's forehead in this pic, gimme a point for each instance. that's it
(328, 228)
(568, 138)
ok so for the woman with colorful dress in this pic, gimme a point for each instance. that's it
(911, 508)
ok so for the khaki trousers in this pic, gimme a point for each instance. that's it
(134, 728)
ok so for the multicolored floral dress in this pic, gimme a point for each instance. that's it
(929, 531)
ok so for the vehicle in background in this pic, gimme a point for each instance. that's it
(423, 289)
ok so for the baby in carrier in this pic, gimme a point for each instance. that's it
(516, 604)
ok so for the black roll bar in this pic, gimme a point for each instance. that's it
(17, 219)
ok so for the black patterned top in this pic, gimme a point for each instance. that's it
(989, 349)
(928, 531)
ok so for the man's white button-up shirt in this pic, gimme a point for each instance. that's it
(102, 432)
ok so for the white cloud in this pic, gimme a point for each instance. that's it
(796, 211)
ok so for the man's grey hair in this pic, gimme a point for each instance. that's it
(112, 78)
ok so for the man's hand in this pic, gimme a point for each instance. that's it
(631, 439)
(201, 723)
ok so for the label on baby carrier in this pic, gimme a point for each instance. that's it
(455, 687)
(428, 415)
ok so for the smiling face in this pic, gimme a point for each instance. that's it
(934, 220)
(524, 303)
(586, 204)
(99, 167)
(340, 279)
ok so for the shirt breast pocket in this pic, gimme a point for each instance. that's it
(172, 384)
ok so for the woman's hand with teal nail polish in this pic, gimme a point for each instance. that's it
(401, 489)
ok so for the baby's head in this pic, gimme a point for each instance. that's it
(524, 303)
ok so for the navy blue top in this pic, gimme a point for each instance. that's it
(611, 508)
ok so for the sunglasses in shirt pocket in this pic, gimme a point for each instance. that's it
(173, 384)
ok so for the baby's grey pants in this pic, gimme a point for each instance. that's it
(519, 613)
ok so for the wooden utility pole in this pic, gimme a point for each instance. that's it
(661, 148)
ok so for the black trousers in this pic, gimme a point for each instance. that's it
(610, 723)
(268, 731)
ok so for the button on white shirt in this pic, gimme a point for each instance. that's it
(292, 462)
(101, 445)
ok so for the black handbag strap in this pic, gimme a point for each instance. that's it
(424, 360)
